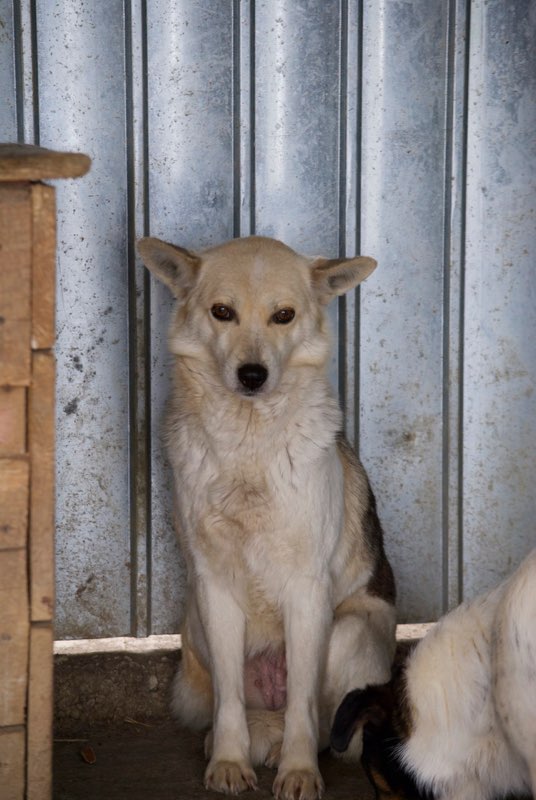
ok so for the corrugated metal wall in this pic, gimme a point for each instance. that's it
(403, 129)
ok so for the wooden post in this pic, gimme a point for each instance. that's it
(27, 290)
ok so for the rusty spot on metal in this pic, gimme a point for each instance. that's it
(84, 586)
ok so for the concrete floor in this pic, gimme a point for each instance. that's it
(158, 761)
(114, 697)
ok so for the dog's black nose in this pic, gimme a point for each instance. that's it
(252, 376)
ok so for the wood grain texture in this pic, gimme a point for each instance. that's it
(12, 420)
(39, 720)
(19, 162)
(43, 265)
(14, 632)
(15, 284)
(12, 761)
(41, 423)
(14, 495)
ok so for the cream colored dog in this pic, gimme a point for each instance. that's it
(290, 596)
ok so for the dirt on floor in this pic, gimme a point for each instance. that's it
(105, 688)
(158, 761)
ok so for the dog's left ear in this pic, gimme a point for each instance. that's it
(335, 276)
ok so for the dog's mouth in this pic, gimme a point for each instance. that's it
(251, 379)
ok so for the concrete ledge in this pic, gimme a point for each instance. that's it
(173, 641)
(122, 644)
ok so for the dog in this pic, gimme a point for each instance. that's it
(458, 719)
(290, 596)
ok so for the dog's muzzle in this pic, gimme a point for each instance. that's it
(252, 376)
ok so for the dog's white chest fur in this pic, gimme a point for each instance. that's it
(259, 488)
(260, 497)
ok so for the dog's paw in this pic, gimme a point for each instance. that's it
(230, 777)
(298, 784)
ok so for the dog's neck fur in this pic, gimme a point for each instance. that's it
(274, 418)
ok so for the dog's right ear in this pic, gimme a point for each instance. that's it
(174, 266)
(362, 706)
(335, 276)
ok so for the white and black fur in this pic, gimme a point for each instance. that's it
(458, 720)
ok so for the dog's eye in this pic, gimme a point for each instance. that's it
(284, 316)
(223, 313)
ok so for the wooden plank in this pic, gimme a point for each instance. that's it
(39, 724)
(22, 162)
(43, 265)
(15, 284)
(12, 420)
(16, 251)
(41, 446)
(14, 632)
(12, 760)
(14, 352)
(14, 495)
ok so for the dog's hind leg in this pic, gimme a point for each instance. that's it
(266, 737)
(192, 697)
(360, 653)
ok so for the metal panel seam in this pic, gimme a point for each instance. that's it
(243, 110)
(455, 143)
(139, 486)
(343, 193)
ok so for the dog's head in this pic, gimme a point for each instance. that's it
(382, 714)
(251, 307)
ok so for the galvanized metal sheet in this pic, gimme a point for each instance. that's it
(8, 95)
(499, 431)
(403, 130)
(81, 68)
(401, 428)
(297, 123)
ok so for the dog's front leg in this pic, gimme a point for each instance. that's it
(307, 614)
(229, 769)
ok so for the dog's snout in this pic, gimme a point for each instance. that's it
(252, 376)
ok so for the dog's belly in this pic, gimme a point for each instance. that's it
(265, 680)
